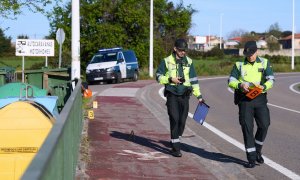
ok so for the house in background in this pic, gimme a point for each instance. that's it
(214, 41)
(236, 42)
(262, 44)
(286, 42)
(232, 43)
(206, 43)
(203, 43)
(196, 42)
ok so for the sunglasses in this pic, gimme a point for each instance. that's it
(181, 50)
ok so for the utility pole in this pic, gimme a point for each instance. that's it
(75, 73)
(293, 38)
(151, 41)
(221, 24)
(209, 35)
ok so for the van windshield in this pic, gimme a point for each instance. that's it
(104, 57)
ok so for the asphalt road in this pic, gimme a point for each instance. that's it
(221, 137)
(282, 145)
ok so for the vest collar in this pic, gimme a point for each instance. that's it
(247, 62)
(184, 59)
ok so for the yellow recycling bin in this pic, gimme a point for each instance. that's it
(24, 125)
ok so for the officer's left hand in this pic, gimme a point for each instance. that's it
(261, 87)
(201, 100)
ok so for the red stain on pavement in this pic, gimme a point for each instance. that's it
(128, 142)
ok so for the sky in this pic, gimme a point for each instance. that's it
(213, 17)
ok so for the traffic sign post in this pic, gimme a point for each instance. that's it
(60, 37)
(33, 47)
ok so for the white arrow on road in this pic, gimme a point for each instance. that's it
(145, 156)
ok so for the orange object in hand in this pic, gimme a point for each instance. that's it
(253, 93)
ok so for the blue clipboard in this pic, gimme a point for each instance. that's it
(201, 112)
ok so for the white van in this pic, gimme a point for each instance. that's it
(112, 65)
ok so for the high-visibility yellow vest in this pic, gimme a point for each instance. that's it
(253, 74)
(172, 67)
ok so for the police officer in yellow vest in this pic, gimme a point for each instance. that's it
(253, 72)
(178, 74)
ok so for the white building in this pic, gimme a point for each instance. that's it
(196, 42)
(202, 42)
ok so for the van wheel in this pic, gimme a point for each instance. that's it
(135, 76)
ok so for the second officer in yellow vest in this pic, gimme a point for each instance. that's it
(253, 72)
(178, 74)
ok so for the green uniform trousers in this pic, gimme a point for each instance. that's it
(178, 108)
(248, 111)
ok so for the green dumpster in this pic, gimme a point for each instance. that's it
(43, 78)
(7, 74)
(2, 77)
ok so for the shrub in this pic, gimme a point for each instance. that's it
(215, 52)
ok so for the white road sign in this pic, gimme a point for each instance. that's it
(33, 47)
(60, 36)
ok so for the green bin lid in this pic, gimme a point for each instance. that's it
(7, 69)
(13, 90)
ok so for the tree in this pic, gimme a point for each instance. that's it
(274, 34)
(5, 45)
(11, 8)
(124, 23)
(274, 30)
(286, 33)
(60, 17)
(273, 44)
(252, 36)
(237, 33)
(23, 36)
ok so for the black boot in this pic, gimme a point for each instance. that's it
(176, 153)
(250, 164)
(176, 149)
(259, 158)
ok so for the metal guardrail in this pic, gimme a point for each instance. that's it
(57, 158)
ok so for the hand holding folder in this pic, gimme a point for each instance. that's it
(201, 112)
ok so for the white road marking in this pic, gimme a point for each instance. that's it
(290, 174)
(120, 92)
(280, 107)
(220, 77)
(292, 87)
(145, 156)
(241, 146)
